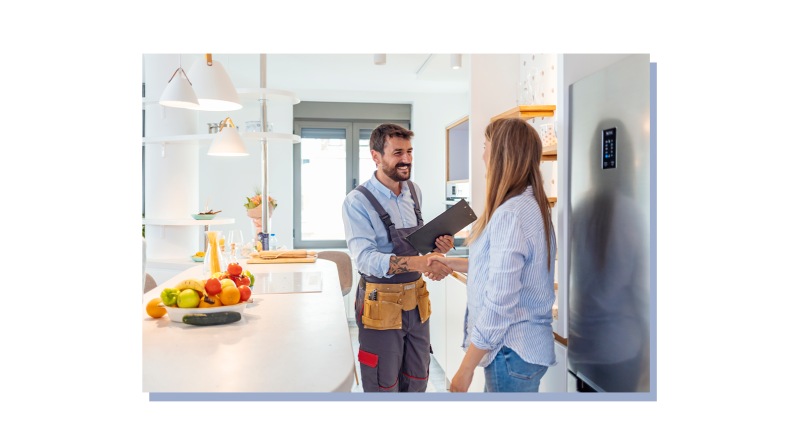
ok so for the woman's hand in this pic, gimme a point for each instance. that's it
(444, 244)
(441, 264)
(438, 270)
(462, 380)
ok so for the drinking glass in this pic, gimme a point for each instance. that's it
(235, 241)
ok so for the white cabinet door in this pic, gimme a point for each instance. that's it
(555, 380)
(456, 303)
(437, 321)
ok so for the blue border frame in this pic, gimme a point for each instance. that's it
(647, 396)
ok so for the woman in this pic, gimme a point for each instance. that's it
(510, 285)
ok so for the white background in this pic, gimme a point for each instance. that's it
(71, 202)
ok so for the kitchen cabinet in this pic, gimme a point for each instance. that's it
(437, 322)
(456, 303)
(555, 380)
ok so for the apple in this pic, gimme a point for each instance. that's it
(188, 299)
(226, 283)
(244, 293)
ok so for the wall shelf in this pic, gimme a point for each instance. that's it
(552, 201)
(270, 94)
(179, 139)
(550, 153)
(186, 222)
(528, 112)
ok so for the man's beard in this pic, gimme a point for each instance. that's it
(394, 174)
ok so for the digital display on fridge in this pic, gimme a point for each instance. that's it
(609, 148)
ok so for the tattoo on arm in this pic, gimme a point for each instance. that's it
(398, 265)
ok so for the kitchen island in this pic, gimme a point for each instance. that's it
(297, 342)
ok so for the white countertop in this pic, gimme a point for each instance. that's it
(284, 342)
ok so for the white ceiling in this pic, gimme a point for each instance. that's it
(358, 72)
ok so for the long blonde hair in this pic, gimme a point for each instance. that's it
(515, 156)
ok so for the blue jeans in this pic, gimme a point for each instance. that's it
(509, 373)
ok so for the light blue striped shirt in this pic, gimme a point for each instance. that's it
(510, 291)
(366, 235)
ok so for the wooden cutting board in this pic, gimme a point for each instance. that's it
(302, 260)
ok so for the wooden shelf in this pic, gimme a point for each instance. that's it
(552, 201)
(550, 153)
(528, 112)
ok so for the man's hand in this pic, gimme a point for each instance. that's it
(444, 244)
(437, 267)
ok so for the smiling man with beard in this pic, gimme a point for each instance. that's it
(392, 305)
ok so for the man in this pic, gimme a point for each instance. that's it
(392, 305)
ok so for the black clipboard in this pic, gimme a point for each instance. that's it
(449, 222)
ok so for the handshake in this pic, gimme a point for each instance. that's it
(435, 266)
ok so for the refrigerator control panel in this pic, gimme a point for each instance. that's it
(609, 148)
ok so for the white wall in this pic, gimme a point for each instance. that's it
(493, 86)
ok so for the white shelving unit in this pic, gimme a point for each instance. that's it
(178, 139)
(270, 94)
(187, 222)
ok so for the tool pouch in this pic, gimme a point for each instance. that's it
(385, 313)
(424, 304)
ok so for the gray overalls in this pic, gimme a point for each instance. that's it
(395, 358)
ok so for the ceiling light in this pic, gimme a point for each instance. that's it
(456, 61)
(379, 59)
(213, 86)
(228, 142)
(179, 92)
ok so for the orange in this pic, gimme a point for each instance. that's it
(229, 295)
(217, 303)
(153, 310)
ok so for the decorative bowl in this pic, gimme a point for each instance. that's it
(203, 217)
(198, 259)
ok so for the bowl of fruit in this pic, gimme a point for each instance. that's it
(218, 300)
(198, 257)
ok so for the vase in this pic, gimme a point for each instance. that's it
(213, 259)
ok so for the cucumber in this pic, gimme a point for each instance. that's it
(225, 317)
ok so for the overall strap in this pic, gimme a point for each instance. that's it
(383, 214)
(415, 200)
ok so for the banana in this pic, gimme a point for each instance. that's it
(193, 284)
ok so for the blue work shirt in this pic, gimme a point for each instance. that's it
(366, 235)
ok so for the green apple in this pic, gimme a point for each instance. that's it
(227, 282)
(188, 299)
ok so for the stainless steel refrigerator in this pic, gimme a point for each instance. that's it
(608, 346)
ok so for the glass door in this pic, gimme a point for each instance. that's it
(321, 171)
(331, 160)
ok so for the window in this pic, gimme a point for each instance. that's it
(331, 160)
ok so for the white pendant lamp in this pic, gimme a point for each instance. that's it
(228, 142)
(213, 86)
(456, 61)
(379, 59)
(179, 93)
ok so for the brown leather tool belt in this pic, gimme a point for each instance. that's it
(385, 313)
